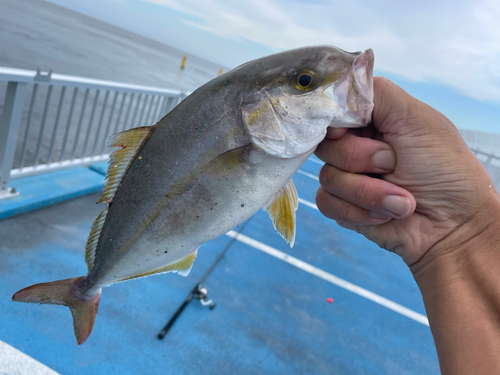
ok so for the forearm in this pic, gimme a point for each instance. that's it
(461, 292)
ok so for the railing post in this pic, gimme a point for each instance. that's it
(9, 129)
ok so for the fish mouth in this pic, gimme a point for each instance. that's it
(360, 97)
(355, 93)
(361, 94)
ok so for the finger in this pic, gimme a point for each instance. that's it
(338, 209)
(335, 133)
(372, 194)
(358, 155)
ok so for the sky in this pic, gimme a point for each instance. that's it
(446, 53)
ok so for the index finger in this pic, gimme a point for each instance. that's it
(357, 154)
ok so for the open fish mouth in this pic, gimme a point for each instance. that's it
(355, 93)
(360, 97)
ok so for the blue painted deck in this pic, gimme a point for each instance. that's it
(46, 189)
(271, 317)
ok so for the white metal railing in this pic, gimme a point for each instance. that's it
(54, 121)
(486, 147)
(56, 127)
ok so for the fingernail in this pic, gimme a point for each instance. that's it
(396, 204)
(384, 159)
(378, 215)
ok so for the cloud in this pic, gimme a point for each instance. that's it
(456, 43)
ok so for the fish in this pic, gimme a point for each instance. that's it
(226, 151)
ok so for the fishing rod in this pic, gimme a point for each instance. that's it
(199, 291)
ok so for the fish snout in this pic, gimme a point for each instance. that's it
(355, 94)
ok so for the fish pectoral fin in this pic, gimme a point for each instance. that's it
(281, 209)
(130, 143)
(95, 233)
(182, 267)
(225, 164)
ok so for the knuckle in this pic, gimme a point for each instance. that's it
(320, 200)
(346, 212)
(360, 191)
(320, 150)
(348, 158)
(326, 175)
(322, 203)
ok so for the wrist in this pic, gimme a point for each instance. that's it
(474, 244)
(460, 283)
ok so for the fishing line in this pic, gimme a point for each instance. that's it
(199, 291)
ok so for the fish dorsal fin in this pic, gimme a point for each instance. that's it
(182, 267)
(281, 209)
(95, 232)
(129, 142)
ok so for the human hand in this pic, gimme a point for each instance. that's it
(432, 193)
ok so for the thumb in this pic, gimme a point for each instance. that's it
(400, 114)
(392, 104)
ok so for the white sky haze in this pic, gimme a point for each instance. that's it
(456, 43)
(447, 47)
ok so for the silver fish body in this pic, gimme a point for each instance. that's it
(226, 151)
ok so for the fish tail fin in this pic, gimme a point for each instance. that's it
(69, 293)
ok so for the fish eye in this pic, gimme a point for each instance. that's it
(305, 80)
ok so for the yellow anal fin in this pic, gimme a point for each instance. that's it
(130, 142)
(95, 232)
(281, 209)
(182, 267)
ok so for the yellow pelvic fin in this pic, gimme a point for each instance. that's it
(281, 209)
(95, 232)
(130, 142)
(182, 267)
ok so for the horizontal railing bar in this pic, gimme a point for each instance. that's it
(44, 168)
(22, 75)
